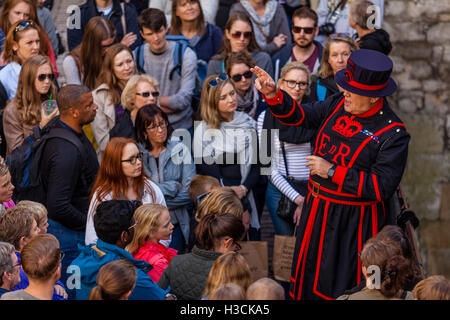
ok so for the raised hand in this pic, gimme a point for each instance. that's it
(264, 82)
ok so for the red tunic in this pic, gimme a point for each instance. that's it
(339, 215)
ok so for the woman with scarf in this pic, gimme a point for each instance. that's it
(225, 146)
(238, 68)
(270, 23)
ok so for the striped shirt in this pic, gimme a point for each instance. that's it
(295, 158)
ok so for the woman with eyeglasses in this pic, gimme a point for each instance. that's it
(336, 51)
(112, 120)
(238, 68)
(270, 23)
(225, 146)
(168, 163)
(141, 90)
(121, 177)
(13, 11)
(25, 111)
(292, 144)
(239, 36)
(84, 63)
(188, 20)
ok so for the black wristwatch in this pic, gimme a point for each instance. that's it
(331, 171)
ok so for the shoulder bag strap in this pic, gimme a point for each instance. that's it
(124, 24)
(284, 158)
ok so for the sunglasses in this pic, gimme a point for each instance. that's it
(238, 77)
(43, 76)
(23, 25)
(339, 35)
(238, 34)
(308, 30)
(134, 225)
(133, 160)
(202, 196)
(215, 82)
(147, 94)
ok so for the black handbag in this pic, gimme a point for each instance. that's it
(286, 207)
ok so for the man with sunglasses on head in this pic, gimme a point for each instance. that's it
(68, 167)
(304, 49)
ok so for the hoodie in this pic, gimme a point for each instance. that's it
(93, 257)
(377, 40)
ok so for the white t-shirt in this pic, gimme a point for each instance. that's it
(91, 235)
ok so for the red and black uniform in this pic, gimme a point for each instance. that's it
(341, 213)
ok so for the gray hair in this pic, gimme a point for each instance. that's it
(6, 264)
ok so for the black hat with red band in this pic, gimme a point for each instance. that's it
(368, 73)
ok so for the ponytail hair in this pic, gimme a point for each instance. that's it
(394, 267)
(213, 227)
(114, 280)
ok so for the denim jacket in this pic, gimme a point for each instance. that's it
(175, 166)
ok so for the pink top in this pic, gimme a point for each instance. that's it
(8, 204)
(158, 255)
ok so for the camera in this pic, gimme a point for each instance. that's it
(327, 29)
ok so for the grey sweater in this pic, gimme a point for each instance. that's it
(180, 88)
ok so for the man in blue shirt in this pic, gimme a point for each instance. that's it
(114, 225)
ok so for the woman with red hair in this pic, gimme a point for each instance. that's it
(121, 177)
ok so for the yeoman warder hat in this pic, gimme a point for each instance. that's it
(367, 74)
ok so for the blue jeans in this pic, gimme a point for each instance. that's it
(68, 241)
(281, 226)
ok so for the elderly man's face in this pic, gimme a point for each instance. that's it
(356, 104)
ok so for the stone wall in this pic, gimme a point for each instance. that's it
(420, 34)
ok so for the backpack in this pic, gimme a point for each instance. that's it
(24, 162)
(181, 44)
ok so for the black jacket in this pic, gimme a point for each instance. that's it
(67, 178)
(89, 10)
(187, 273)
(377, 40)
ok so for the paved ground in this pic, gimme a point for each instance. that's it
(60, 18)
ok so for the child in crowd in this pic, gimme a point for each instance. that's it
(39, 212)
(228, 291)
(265, 289)
(432, 288)
(201, 186)
(220, 200)
(231, 267)
(152, 225)
(115, 281)
(6, 187)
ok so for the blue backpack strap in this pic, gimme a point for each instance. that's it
(181, 44)
(321, 91)
(139, 58)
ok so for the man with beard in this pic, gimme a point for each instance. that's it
(304, 49)
(68, 167)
